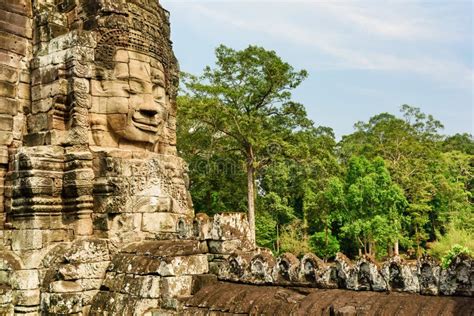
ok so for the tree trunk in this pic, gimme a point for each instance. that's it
(417, 239)
(395, 248)
(326, 241)
(278, 240)
(251, 198)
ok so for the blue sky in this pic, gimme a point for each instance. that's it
(363, 57)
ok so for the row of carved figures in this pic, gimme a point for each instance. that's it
(424, 276)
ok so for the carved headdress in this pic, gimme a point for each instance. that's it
(137, 25)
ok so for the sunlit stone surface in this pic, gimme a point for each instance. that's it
(95, 213)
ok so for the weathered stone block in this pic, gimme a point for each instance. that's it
(18, 126)
(200, 281)
(22, 7)
(8, 90)
(25, 76)
(160, 222)
(11, 59)
(202, 226)
(26, 279)
(15, 23)
(13, 43)
(66, 303)
(27, 239)
(39, 222)
(3, 160)
(90, 284)
(224, 246)
(28, 297)
(94, 270)
(165, 248)
(176, 286)
(188, 265)
(8, 106)
(6, 123)
(8, 74)
(39, 122)
(41, 106)
(24, 91)
(6, 297)
(227, 226)
(127, 224)
(65, 287)
(150, 287)
(44, 75)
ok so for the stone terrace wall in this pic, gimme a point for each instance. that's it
(424, 276)
(224, 298)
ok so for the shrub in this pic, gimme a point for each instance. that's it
(293, 240)
(454, 252)
(446, 243)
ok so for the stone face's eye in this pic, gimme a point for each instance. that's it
(138, 87)
(158, 92)
(131, 91)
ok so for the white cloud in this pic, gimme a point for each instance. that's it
(395, 20)
(354, 35)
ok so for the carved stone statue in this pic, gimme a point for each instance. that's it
(100, 124)
(95, 213)
(88, 160)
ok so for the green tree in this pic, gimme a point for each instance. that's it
(217, 181)
(453, 197)
(294, 240)
(323, 245)
(246, 100)
(459, 142)
(374, 206)
(411, 147)
(325, 206)
(296, 177)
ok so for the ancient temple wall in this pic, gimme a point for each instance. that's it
(16, 32)
(95, 212)
(97, 144)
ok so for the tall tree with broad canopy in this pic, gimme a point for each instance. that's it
(246, 100)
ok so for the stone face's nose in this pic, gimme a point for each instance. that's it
(148, 113)
(146, 119)
(145, 103)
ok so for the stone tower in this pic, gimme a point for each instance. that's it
(95, 213)
(88, 160)
(92, 149)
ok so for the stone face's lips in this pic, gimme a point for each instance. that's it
(145, 123)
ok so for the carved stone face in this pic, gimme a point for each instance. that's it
(133, 98)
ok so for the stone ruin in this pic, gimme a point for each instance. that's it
(95, 213)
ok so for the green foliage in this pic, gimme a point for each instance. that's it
(459, 142)
(445, 243)
(294, 240)
(394, 182)
(245, 104)
(413, 151)
(217, 176)
(323, 245)
(455, 251)
(266, 232)
(373, 216)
